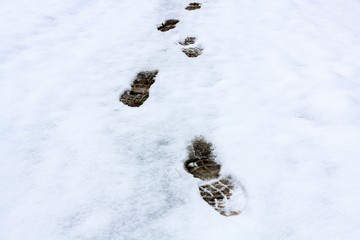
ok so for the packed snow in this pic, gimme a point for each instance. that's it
(276, 90)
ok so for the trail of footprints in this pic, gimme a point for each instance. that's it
(223, 193)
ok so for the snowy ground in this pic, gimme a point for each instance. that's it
(277, 90)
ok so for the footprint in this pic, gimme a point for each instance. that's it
(191, 52)
(224, 194)
(139, 91)
(193, 6)
(168, 25)
(188, 41)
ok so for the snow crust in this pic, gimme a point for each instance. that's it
(277, 90)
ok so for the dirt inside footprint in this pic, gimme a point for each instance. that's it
(193, 6)
(168, 25)
(188, 41)
(192, 52)
(201, 160)
(139, 91)
(225, 195)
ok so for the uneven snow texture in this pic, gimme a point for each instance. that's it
(277, 90)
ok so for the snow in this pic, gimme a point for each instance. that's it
(276, 90)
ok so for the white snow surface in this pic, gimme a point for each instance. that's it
(277, 91)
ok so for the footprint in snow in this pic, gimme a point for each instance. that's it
(189, 50)
(193, 6)
(140, 87)
(168, 25)
(188, 41)
(223, 193)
